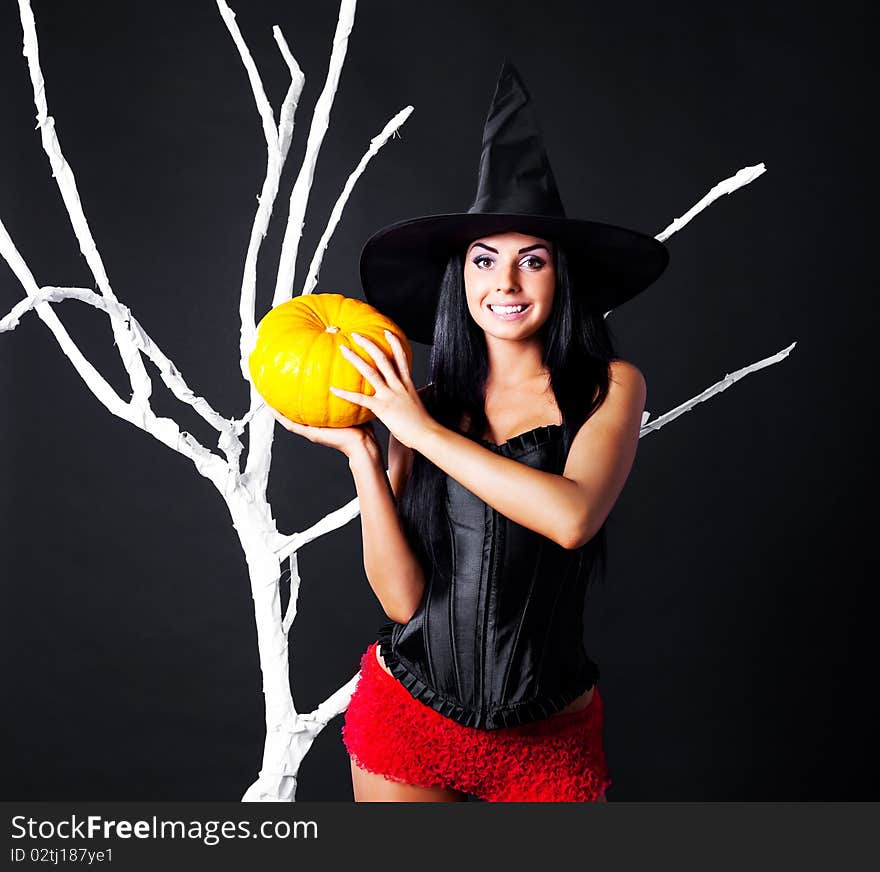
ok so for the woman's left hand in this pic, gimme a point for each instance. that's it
(396, 402)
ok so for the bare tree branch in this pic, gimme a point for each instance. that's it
(291, 98)
(375, 144)
(168, 371)
(286, 545)
(302, 187)
(728, 381)
(141, 385)
(277, 145)
(742, 178)
(164, 429)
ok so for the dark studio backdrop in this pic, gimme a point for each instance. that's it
(732, 633)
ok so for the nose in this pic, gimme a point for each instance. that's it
(508, 280)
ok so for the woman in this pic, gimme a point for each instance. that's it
(501, 473)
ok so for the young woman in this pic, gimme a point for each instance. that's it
(502, 470)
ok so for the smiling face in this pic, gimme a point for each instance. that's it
(505, 270)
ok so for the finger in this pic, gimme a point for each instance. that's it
(304, 430)
(284, 422)
(293, 427)
(379, 356)
(399, 357)
(353, 397)
(361, 366)
(300, 430)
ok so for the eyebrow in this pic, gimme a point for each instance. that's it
(521, 251)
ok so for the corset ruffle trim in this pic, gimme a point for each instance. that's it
(498, 717)
(522, 441)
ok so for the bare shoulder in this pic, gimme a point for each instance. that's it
(627, 376)
(627, 390)
(625, 401)
(603, 450)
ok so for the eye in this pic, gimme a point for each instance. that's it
(477, 260)
(537, 261)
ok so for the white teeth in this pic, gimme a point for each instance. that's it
(507, 309)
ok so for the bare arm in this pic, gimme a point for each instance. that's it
(392, 567)
(567, 508)
(390, 563)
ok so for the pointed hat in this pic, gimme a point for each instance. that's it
(402, 264)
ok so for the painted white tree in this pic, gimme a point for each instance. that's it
(289, 733)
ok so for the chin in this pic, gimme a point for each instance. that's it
(520, 334)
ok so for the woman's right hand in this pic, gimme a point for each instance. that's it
(344, 439)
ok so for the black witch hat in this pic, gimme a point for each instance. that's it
(402, 264)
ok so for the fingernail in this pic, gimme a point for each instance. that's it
(356, 336)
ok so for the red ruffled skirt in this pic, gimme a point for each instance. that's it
(556, 759)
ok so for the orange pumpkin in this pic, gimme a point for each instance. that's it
(296, 357)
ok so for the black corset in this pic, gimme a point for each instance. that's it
(497, 640)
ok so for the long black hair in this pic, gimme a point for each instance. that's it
(577, 351)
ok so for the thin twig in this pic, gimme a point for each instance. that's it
(375, 144)
(722, 385)
(739, 180)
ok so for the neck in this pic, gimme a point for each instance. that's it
(513, 362)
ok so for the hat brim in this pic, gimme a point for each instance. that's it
(402, 264)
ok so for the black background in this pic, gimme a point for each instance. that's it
(733, 634)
